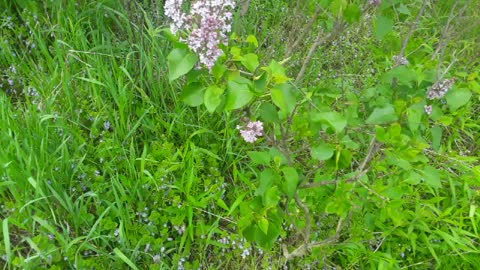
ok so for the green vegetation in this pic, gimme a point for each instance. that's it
(116, 152)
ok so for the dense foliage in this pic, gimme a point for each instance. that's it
(320, 134)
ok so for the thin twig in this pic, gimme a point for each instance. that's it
(306, 62)
(446, 29)
(332, 239)
(305, 247)
(308, 225)
(215, 215)
(445, 39)
(304, 32)
(440, 76)
(244, 7)
(320, 39)
(361, 171)
(333, 182)
(413, 27)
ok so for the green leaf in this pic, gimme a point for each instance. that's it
(278, 157)
(260, 158)
(268, 113)
(414, 116)
(266, 179)
(380, 133)
(192, 94)
(291, 181)
(344, 160)
(218, 70)
(236, 203)
(436, 133)
(335, 120)
(404, 9)
(349, 143)
(263, 225)
(222, 204)
(352, 13)
(282, 96)
(236, 53)
(260, 83)
(212, 97)
(277, 72)
(271, 197)
(250, 61)
(383, 26)
(432, 177)
(382, 115)
(322, 151)
(456, 98)
(180, 62)
(413, 178)
(402, 74)
(252, 40)
(238, 95)
(337, 6)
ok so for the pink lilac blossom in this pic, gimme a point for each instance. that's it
(439, 89)
(207, 24)
(251, 131)
(428, 109)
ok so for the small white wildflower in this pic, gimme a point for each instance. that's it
(245, 253)
(157, 258)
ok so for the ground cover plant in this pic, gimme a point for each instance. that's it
(317, 134)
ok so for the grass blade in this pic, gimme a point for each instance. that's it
(124, 258)
(6, 240)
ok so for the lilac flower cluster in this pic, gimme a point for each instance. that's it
(400, 60)
(207, 24)
(252, 131)
(173, 10)
(428, 109)
(439, 89)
